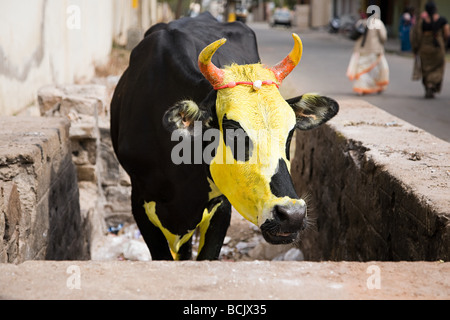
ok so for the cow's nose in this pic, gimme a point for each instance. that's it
(286, 223)
(291, 216)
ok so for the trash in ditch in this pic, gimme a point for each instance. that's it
(123, 242)
(115, 230)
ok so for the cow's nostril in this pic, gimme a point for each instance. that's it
(290, 215)
(281, 213)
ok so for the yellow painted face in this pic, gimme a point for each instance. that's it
(267, 119)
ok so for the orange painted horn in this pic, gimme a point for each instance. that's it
(283, 68)
(213, 74)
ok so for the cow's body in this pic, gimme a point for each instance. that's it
(163, 70)
(170, 201)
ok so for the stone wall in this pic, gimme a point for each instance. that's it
(105, 188)
(378, 188)
(39, 202)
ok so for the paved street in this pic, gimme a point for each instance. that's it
(323, 67)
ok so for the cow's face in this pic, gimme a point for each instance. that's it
(251, 164)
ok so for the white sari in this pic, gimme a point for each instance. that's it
(370, 72)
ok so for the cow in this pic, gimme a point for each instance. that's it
(179, 81)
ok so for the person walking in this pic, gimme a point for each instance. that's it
(428, 40)
(368, 67)
(404, 29)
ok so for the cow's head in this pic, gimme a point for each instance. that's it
(251, 165)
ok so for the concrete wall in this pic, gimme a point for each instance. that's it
(49, 41)
(39, 200)
(61, 41)
(378, 188)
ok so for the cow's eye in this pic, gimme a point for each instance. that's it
(237, 139)
(288, 144)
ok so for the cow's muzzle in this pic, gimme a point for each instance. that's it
(286, 224)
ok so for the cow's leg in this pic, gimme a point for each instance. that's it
(185, 252)
(216, 230)
(152, 235)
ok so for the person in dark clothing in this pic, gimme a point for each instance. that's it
(429, 38)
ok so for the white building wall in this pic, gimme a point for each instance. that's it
(320, 12)
(50, 41)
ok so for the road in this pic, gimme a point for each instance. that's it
(323, 67)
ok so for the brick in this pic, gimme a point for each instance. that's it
(89, 99)
(49, 98)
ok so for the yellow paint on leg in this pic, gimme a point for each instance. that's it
(175, 255)
(176, 241)
(215, 192)
(204, 224)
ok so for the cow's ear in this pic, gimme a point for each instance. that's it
(311, 110)
(184, 114)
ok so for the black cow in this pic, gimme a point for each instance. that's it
(175, 92)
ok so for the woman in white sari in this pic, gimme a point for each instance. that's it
(368, 67)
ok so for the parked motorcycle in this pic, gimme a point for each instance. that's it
(344, 25)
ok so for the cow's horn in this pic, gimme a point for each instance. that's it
(283, 68)
(213, 74)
